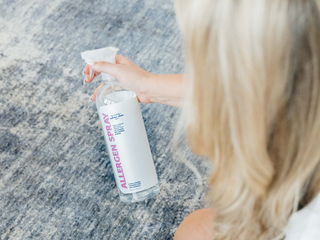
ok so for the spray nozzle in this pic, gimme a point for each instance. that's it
(107, 54)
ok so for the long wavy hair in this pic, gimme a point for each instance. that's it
(253, 108)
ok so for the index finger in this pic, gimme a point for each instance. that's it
(86, 70)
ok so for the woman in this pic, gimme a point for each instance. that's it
(253, 88)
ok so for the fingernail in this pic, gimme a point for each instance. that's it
(83, 73)
(89, 61)
(90, 99)
(84, 81)
(91, 73)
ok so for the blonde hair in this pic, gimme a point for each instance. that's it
(253, 107)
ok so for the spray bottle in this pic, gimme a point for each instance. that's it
(125, 134)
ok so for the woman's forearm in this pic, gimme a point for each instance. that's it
(167, 89)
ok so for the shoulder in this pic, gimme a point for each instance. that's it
(305, 224)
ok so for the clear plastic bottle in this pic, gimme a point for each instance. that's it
(124, 133)
(137, 160)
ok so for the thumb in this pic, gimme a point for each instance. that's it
(104, 67)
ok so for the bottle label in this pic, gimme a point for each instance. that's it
(128, 146)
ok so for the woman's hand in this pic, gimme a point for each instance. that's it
(150, 88)
(130, 75)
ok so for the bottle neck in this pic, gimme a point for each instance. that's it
(111, 82)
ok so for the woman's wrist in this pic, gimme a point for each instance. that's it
(166, 89)
(146, 90)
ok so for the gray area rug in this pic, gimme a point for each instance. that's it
(56, 181)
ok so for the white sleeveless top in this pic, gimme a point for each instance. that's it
(305, 223)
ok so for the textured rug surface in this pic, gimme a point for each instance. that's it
(56, 180)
